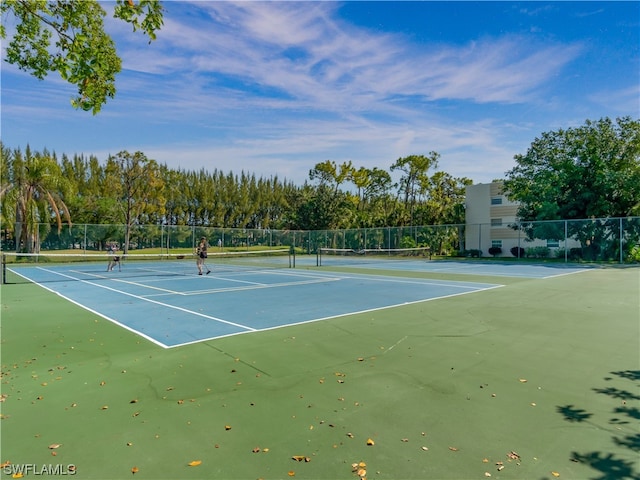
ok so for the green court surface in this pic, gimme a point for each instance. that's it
(536, 380)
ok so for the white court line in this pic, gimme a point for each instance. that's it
(128, 282)
(582, 270)
(256, 286)
(174, 307)
(247, 329)
(417, 281)
(333, 316)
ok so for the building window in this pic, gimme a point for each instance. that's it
(496, 201)
(496, 243)
(496, 222)
(553, 243)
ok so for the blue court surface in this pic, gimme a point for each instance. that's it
(491, 268)
(178, 307)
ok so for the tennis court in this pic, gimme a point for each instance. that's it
(233, 299)
(474, 267)
(258, 370)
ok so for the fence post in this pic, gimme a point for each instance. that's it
(621, 256)
(566, 242)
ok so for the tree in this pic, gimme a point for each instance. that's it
(83, 54)
(584, 172)
(138, 182)
(32, 194)
(592, 171)
(414, 180)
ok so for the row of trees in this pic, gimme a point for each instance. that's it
(130, 189)
(592, 171)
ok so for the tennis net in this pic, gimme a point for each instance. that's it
(52, 267)
(348, 256)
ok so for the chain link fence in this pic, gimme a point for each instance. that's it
(609, 240)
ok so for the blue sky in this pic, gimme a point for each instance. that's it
(273, 88)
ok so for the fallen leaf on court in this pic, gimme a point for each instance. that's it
(194, 463)
(180, 402)
(291, 473)
(555, 474)
(17, 475)
(256, 450)
(301, 458)
(227, 427)
(135, 400)
(5, 464)
(103, 383)
(453, 449)
(104, 407)
(487, 474)
(523, 380)
(350, 435)
(135, 470)
(485, 460)
(513, 455)
(370, 442)
(362, 472)
(405, 440)
(425, 448)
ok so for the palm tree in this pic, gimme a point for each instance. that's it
(32, 195)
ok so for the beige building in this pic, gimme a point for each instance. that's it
(489, 214)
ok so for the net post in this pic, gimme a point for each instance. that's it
(292, 257)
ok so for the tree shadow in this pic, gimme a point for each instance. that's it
(631, 412)
(610, 467)
(617, 393)
(633, 375)
(632, 442)
(575, 415)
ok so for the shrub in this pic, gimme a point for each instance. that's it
(542, 252)
(538, 252)
(517, 252)
(407, 242)
(495, 251)
(634, 254)
(575, 253)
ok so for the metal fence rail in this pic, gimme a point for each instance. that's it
(612, 240)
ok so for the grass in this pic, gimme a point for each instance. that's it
(534, 380)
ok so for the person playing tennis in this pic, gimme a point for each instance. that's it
(113, 258)
(201, 255)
